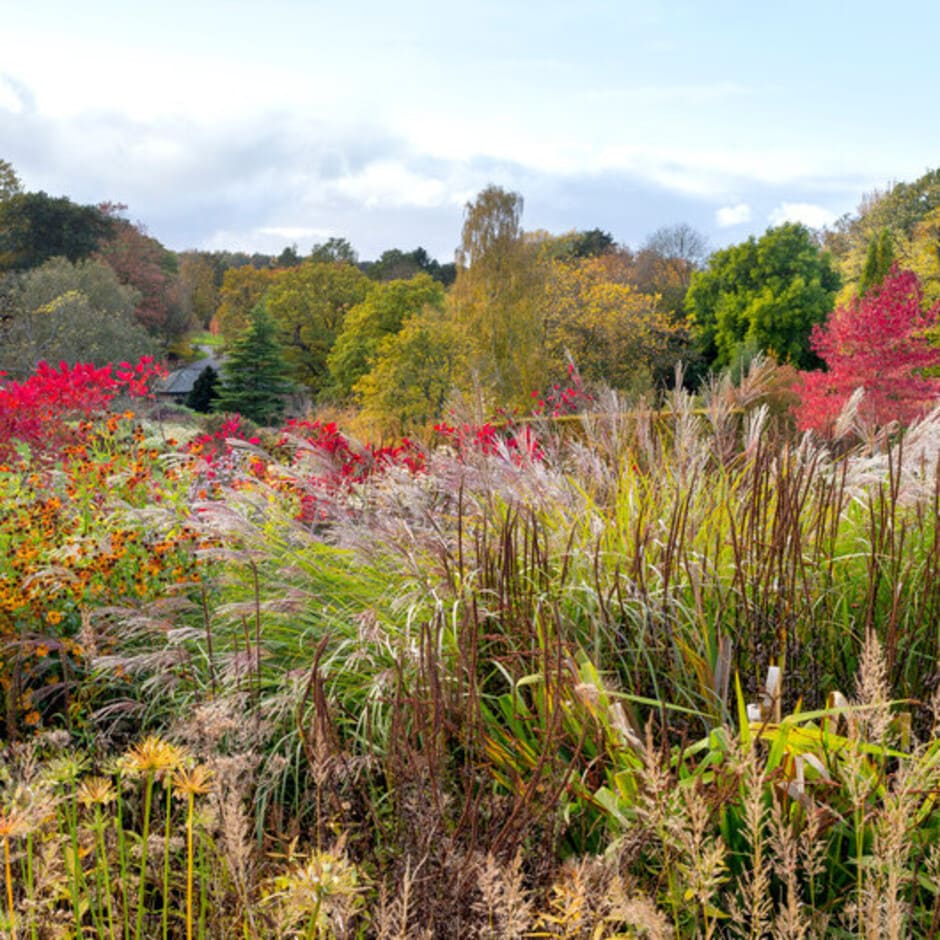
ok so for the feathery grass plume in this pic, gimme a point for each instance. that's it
(396, 919)
(565, 913)
(504, 907)
(873, 693)
(887, 877)
(21, 814)
(230, 799)
(791, 920)
(701, 856)
(751, 903)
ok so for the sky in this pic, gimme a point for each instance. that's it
(250, 126)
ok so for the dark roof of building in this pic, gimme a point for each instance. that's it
(181, 381)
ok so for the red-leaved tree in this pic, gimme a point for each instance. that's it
(878, 343)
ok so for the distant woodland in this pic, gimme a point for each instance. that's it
(401, 337)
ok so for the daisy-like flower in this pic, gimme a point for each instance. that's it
(65, 769)
(24, 809)
(96, 791)
(192, 781)
(152, 756)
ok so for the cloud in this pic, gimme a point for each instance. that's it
(391, 184)
(15, 97)
(733, 215)
(260, 181)
(806, 212)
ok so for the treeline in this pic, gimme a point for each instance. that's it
(403, 336)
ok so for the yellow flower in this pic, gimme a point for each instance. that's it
(153, 755)
(192, 781)
(96, 791)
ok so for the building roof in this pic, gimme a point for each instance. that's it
(181, 381)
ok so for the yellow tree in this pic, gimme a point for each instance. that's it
(197, 276)
(495, 302)
(242, 290)
(614, 333)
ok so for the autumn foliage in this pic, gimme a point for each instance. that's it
(37, 412)
(879, 343)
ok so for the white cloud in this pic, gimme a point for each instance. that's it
(389, 184)
(11, 96)
(296, 233)
(733, 215)
(805, 212)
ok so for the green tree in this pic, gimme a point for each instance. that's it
(380, 314)
(255, 372)
(309, 304)
(288, 258)
(204, 392)
(412, 374)
(334, 250)
(35, 227)
(396, 264)
(9, 181)
(72, 312)
(878, 262)
(582, 244)
(763, 295)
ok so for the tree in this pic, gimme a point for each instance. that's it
(9, 181)
(412, 375)
(69, 312)
(495, 302)
(255, 372)
(288, 258)
(877, 342)
(614, 333)
(242, 289)
(204, 392)
(763, 295)
(35, 227)
(878, 262)
(904, 210)
(583, 244)
(142, 262)
(334, 250)
(382, 313)
(491, 229)
(309, 305)
(197, 275)
(396, 264)
(680, 243)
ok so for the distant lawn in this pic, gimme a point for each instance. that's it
(205, 338)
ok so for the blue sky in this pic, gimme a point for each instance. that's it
(254, 126)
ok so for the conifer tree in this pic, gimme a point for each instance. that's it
(205, 391)
(878, 262)
(255, 372)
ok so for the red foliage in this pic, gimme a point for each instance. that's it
(140, 261)
(41, 411)
(338, 465)
(560, 401)
(879, 343)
